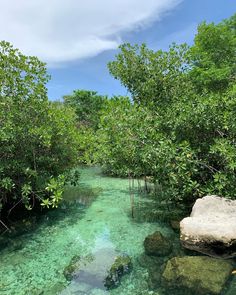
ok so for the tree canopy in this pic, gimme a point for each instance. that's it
(179, 128)
(38, 138)
(87, 105)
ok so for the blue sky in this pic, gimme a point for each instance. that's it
(77, 39)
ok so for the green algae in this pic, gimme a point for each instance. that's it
(122, 265)
(157, 245)
(197, 274)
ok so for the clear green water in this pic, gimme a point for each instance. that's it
(100, 230)
(95, 223)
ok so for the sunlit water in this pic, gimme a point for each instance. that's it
(100, 231)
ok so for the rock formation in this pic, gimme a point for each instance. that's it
(211, 227)
(196, 274)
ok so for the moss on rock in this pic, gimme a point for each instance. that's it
(198, 274)
(122, 265)
(70, 269)
(158, 245)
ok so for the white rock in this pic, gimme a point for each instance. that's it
(211, 227)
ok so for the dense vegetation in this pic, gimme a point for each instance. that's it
(38, 138)
(179, 129)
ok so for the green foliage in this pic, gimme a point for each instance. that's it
(38, 138)
(87, 105)
(114, 137)
(88, 145)
(180, 128)
(152, 78)
(213, 56)
(55, 188)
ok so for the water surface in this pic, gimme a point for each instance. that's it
(98, 225)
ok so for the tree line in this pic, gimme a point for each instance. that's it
(178, 127)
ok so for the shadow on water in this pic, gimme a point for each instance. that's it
(76, 200)
(81, 194)
(149, 210)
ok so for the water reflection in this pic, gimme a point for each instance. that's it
(81, 194)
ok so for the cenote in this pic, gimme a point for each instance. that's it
(97, 226)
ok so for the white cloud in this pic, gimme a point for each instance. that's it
(62, 30)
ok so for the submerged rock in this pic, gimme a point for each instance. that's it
(158, 245)
(71, 269)
(175, 224)
(121, 266)
(211, 227)
(154, 266)
(102, 269)
(196, 274)
(157, 250)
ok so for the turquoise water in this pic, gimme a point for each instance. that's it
(95, 224)
(98, 225)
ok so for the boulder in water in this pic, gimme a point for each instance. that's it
(121, 266)
(196, 274)
(157, 245)
(175, 224)
(211, 227)
(71, 269)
